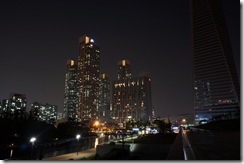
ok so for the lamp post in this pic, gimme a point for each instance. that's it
(32, 140)
(184, 123)
(77, 137)
(12, 149)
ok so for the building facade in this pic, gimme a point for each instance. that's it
(131, 97)
(4, 107)
(44, 112)
(17, 105)
(88, 79)
(104, 111)
(216, 84)
(70, 92)
(124, 70)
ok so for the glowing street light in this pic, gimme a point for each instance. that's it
(12, 149)
(77, 137)
(32, 140)
(96, 123)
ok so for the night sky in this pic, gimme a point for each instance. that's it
(37, 38)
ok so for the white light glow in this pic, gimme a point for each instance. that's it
(33, 139)
(77, 136)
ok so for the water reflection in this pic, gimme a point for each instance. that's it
(96, 142)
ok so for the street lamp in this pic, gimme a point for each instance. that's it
(77, 137)
(12, 149)
(32, 140)
(96, 125)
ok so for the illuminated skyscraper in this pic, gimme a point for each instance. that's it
(104, 113)
(88, 79)
(124, 70)
(70, 93)
(216, 85)
(131, 97)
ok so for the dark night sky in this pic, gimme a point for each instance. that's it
(37, 37)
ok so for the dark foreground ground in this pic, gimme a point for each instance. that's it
(219, 140)
(147, 147)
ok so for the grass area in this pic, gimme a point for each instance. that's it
(167, 138)
(222, 125)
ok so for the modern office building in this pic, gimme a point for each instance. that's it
(88, 79)
(124, 70)
(216, 84)
(104, 112)
(17, 105)
(70, 92)
(44, 112)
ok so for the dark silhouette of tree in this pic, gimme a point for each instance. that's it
(163, 127)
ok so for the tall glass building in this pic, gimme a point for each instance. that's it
(70, 92)
(216, 84)
(88, 79)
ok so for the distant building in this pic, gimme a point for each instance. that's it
(131, 98)
(104, 112)
(124, 70)
(4, 106)
(44, 112)
(88, 79)
(35, 111)
(17, 105)
(216, 84)
(1, 108)
(70, 92)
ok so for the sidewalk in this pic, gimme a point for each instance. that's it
(74, 156)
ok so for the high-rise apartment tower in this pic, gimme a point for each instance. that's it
(104, 113)
(70, 93)
(124, 70)
(88, 79)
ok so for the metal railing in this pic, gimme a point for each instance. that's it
(187, 148)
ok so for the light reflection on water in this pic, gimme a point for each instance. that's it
(96, 142)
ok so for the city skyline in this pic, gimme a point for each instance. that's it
(38, 38)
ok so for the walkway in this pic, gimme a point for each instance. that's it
(74, 156)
